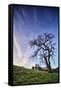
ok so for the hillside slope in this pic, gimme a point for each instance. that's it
(23, 76)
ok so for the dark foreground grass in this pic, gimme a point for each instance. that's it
(22, 76)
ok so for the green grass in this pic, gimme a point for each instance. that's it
(23, 76)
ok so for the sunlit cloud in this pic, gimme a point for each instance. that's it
(18, 57)
(28, 23)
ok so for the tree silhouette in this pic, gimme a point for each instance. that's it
(44, 48)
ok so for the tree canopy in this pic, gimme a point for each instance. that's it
(45, 48)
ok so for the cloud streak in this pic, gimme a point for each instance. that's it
(28, 23)
(18, 57)
(17, 53)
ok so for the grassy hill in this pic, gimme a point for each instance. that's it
(23, 76)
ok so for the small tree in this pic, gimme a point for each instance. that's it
(36, 66)
(33, 67)
(44, 48)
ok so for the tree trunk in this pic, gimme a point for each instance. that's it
(49, 68)
(48, 64)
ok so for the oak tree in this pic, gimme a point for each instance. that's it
(44, 48)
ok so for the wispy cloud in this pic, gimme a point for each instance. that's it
(18, 57)
(28, 23)
(16, 51)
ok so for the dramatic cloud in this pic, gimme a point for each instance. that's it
(28, 23)
(18, 57)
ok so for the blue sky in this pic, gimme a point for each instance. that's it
(28, 23)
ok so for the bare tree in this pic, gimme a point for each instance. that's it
(44, 48)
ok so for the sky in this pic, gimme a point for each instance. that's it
(28, 23)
